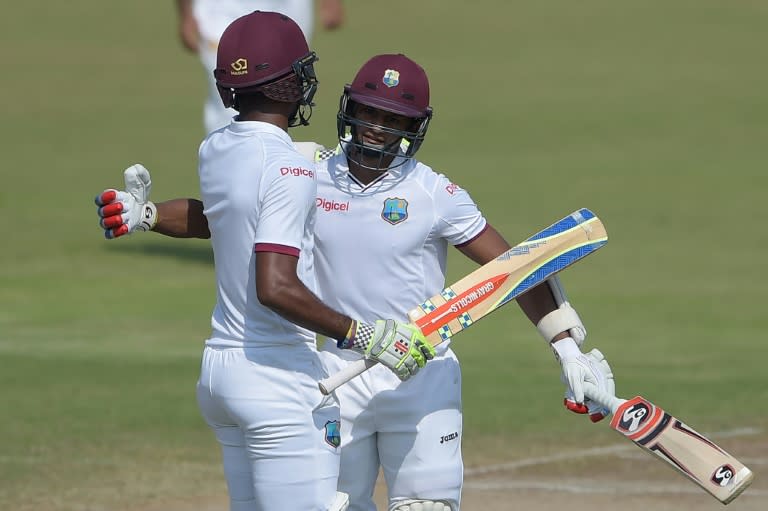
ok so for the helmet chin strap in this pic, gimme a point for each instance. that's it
(360, 153)
(360, 150)
(383, 152)
(300, 116)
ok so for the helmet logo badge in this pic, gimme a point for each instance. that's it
(240, 67)
(391, 78)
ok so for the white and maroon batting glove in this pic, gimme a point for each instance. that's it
(579, 368)
(125, 212)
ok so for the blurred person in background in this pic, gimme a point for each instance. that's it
(201, 23)
(385, 216)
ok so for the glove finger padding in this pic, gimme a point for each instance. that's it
(124, 212)
(572, 405)
(110, 217)
(105, 197)
(426, 349)
(575, 367)
(603, 380)
(111, 212)
(116, 232)
(138, 182)
(110, 222)
(598, 412)
(111, 209)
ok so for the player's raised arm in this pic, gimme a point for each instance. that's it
(182, 218)
(130, 210)
(546, 307)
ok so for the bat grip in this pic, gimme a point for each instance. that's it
(338, 379)
(603, 398)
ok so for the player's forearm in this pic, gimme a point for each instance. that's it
(279, 288)
(563, 321)
(182, 218)
(298, 305)
(535, 303)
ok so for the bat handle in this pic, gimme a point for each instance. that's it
(605, 399)
(338, 379)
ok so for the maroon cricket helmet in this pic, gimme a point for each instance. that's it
(394, 83)
(260, 49)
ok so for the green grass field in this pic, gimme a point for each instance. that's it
(653, 114)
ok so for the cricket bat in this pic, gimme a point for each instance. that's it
(496, 283)
(680, 446)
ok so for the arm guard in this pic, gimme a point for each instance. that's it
(562, 319)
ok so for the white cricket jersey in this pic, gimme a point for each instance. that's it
(259, 195)
(381, 249)
(214, 16)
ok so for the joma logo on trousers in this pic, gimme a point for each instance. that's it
(449, 437)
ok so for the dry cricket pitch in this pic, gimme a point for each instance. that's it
(617, 475)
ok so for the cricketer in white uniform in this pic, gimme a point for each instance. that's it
(394, 226)
(259, 371)
(385, 215)
(396, 232)
(257, 388)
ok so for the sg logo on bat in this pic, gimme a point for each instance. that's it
(723, 475)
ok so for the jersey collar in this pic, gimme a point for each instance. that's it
(245, 127)
(344, 180)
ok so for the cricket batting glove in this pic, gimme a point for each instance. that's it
(128, 211)
(399, 346)
(578, 368)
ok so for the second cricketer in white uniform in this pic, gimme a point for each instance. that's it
(382, 214)
(396, 231)
(385, 215)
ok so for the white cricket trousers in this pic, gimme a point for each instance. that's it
(279, 435)
(411, 429)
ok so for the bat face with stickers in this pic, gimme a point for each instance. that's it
(680, 446)
(496, 283)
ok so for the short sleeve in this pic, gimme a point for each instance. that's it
(459, 220)
(287, 201)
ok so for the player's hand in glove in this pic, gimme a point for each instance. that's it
(596, 411)
(399, 346)
(128, 211)
(578, 368)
